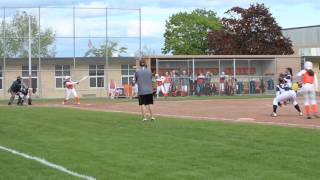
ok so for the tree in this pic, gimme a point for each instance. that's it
(106, 49)
(17, 42)
(145, 51)
(249, 31)
(187, 33)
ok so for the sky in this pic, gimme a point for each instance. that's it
(123, 25)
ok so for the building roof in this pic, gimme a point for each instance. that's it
(65, 59)
(301, 27)
(222, 56)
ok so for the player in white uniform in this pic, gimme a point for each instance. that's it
(284, 93)
(288, 77)
(309, 88)
(70, 90)
(159, 82)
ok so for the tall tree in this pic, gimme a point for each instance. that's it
(17, 33)
(187, 33)
(106, 49)
(249, 31)
(145, 51)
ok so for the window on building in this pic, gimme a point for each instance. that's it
(96, 73)
(127, 74)
(1, 78)
(60, 72)
(34, 76)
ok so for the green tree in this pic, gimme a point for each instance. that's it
(187, 33)
(17, 42)
(106, 49)
(145, 51)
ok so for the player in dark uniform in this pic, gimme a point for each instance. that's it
(14, 89)
(24, 94)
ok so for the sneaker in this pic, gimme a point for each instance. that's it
(300, 114)
(273, 114)
(152, 118)
(308, 117)
(145, 119)
(9, 103)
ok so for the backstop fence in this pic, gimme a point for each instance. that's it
(61, 37)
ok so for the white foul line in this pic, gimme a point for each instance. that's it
(46, 163)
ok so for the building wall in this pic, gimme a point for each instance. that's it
(47, 79)
(305, 40)
(284, 62)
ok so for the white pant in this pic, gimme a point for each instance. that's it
(221, 86)
(285, 96)
(70, 92)
(184, 88)
(166, 88)
(309, 94)
(160, 89)
(113, 93)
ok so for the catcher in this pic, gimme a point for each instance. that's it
(25, 93)
(70, 90)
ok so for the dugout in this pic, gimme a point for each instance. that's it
(244, 74)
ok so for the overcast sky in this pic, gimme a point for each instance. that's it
(288, 13)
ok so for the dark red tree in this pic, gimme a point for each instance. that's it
(249, 31)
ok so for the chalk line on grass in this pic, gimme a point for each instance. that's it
(47, 163)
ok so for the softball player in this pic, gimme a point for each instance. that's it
(309, 88)
(160, 88)
(184, 83)
(288, 76)
(70, 90)
(25, 93)
(284, 93)
(222, 81)
(166, 84)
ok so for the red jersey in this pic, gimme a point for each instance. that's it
(159, 82)
(167, 79)
(222, 79)
(200, 79)
(112, 84)
(307, 78)
(69, 84)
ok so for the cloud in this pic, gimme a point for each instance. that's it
(154, 14)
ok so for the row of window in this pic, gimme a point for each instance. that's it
(96, 75)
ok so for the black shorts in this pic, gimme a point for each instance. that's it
(145, 99)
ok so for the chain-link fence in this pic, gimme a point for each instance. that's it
(77, 38)
(215, 76)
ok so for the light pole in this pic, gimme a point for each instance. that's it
(29, 52)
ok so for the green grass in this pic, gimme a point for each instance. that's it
(121, 100)
(120, 147)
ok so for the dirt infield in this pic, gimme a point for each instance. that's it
(240, 110)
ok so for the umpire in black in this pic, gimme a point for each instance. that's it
(14, 89)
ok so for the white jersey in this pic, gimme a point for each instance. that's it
(288, 80)
(284, 93)
(281, 88)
